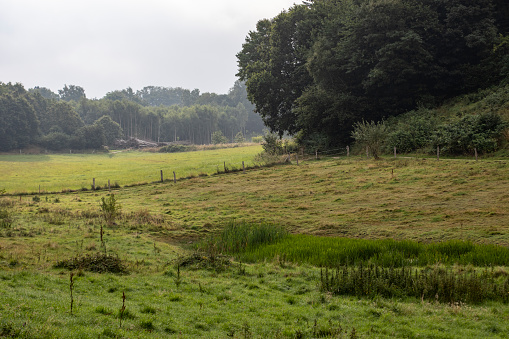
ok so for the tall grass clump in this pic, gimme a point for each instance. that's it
(333, 251)
(435, 283)
(237, 237)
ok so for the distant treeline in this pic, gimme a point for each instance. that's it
(68, 120)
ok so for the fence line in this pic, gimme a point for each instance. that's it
(330, 152)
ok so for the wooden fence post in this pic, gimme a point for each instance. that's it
(367, 152)
(475, 150)
(162, 180)
(243, 167)
(297, 157)
(395, 152)
(109, 185)
(174, 177)
(224, 165)
(93, 184)
(347, 151)
(316, 154)
(438, 152)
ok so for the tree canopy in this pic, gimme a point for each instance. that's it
(322, 66)
(71, 121)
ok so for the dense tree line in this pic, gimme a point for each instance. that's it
(320, 67)
(68, 120)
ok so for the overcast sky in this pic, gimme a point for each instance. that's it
(106, 45)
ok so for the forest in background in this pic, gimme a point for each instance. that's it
(68, 120)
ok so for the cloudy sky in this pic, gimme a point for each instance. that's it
(106, 45)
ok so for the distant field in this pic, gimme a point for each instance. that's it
(24, 173)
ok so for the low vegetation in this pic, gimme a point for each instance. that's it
(335, 247)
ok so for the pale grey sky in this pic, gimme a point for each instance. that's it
(106, 45)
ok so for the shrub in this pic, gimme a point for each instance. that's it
(110, 208)
(272, 144)
(370, 134)
(219, 138)
(55, 141)
(411, 131)
(239, 138)
(482, 132)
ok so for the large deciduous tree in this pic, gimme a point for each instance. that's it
(18, 122)
(322, 66)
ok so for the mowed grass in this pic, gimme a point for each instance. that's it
(54, 173)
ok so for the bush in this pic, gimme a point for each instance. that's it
(219, 138)
(436, 283)
(55, 141)
(482, 132)
(110, 208)
(412, 131)
(239, 138)
(272, 144)
(370, 134)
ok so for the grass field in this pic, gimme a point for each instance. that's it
(57, 172)
(420, 200)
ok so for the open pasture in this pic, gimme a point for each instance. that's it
(57, 172)
(422, 200)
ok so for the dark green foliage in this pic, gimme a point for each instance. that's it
(472, 131)
(55, 141)
(18, 122)
(112, 130)
(411, 131)
(91, 136)
(82, 123)
(59, 116)
(324, 65)
(71, 92)
(100, 263)
(434, 283)
(10, 330)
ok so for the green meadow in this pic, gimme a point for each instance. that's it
(329, 248)
(57, 172)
